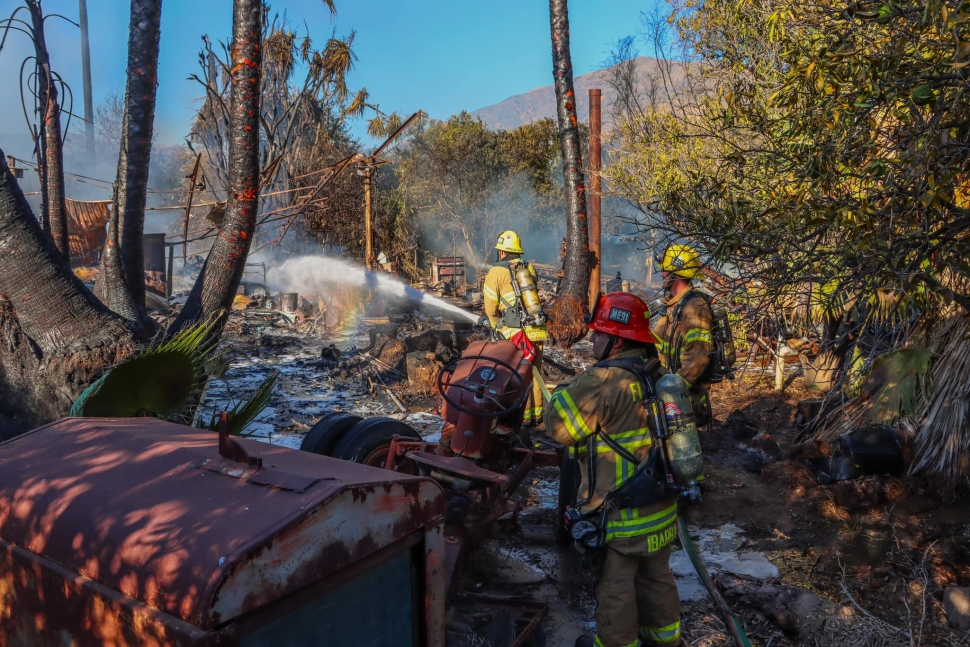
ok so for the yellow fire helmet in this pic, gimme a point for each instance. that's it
(509, 241)
(682, 261)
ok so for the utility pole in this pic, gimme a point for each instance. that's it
(86, 76)
(368, 172)
(595, 184)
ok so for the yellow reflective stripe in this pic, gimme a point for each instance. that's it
(532, 415)
(599, 643)
(668, 634)
(536, 334)
(571, 418)
(628, 440)
(697, 334)
(508, 298)
(654, 523)
(489, 292)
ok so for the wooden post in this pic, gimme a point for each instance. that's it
(171, 268)
(368, 218)
(595, 185)
(781, 352)
(188, 210)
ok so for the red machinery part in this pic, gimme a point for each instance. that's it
(475, 377)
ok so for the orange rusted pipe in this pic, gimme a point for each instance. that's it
(595, 185)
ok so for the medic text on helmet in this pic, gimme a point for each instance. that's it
(620, 315)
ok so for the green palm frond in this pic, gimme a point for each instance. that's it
(160, 381)
(896, 384)
(246, 411)
(895, 388)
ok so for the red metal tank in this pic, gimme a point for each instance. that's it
(482, 385)
(138, 532)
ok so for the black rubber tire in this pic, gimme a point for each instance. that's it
(569, 481)
(367, 436)
(324, 436)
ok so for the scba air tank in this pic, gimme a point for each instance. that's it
(683, 445)
(528, 290)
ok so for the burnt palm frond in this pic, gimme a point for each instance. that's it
(358, 104)
(339, 57)
(377, 127)
(332, 6)
(943, 442)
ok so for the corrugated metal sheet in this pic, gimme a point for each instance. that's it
(87, 230)
(151, 510)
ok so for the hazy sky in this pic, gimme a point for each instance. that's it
(441, 56)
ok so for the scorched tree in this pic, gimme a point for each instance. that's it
(55, 335)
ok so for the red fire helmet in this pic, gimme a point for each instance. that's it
(624, 315)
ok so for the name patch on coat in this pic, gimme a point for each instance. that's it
(619, 315)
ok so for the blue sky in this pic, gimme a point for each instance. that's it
(441, 56)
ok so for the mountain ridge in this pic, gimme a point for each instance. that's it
(524, 108)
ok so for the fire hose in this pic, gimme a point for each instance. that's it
(733, 624)
(730, 620)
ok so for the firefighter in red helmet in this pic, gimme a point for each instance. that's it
(601, 414)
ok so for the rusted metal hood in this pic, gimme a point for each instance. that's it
(150, 509)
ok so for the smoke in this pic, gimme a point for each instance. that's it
(319, 275)
(509, 204)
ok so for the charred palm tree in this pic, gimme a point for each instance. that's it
(573, 296)
(50, 140)
(215, 288)
(136, 147)
(57, 337)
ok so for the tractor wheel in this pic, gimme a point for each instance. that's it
(569, 480)
(328, 431)
(368, 441)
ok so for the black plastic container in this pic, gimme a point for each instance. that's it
(874, 449)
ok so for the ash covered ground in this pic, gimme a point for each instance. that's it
(880, 549)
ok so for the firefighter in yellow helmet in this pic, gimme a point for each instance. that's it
(505, 311)
(683, 331)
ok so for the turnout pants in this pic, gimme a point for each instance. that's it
(534, 402)
(637, 601)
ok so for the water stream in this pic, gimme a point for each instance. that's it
(313, 275)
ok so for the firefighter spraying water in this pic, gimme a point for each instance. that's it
(514, 310)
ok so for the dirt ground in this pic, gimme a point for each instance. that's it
(882, 547)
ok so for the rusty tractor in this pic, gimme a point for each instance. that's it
(482, 457)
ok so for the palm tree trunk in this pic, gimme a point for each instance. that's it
(136, 142)
(572, 299)
(111, 287)
(50, 136)
(56, 336)
(215, 288)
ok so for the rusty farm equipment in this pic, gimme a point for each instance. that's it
(482, 456)
(143, 532)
